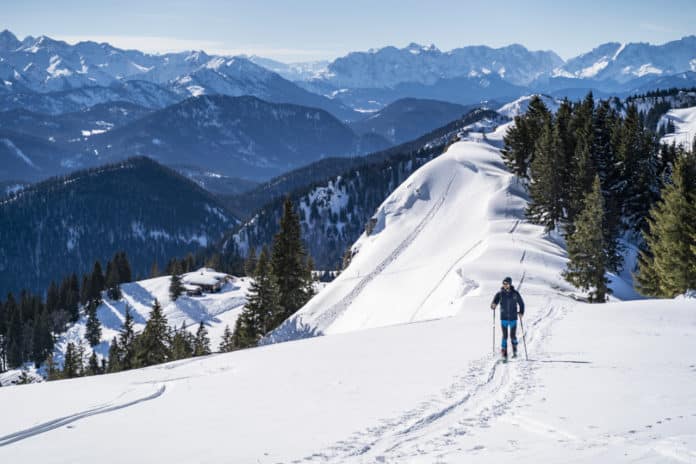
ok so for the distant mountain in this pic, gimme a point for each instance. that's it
(235, 136)
(63, 224)
(390, 66)
(52, 76)
(624, 62)
(141, 93)
(335, 209)
(409, 118)
(293, 71)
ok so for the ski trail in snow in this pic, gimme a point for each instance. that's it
(476, 396)
(56, 423)
(330, 315)
(444, 276)
(14, 149)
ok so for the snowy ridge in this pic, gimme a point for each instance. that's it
(519, 107)
(401, 267)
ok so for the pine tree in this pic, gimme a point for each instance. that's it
(43, 338)
(201, 345)
(126, 343)
(152, 346)
(666, 269)
(250, 262)
(114, 357)
(93, 365)
(520, 140)
(52, 372)
(182, 344)
(123, 267)
(113, 280)
(587, 249)
(73, 298)
(96, 284)
(154, 270)
(70, 365)
(176, 287)
(288, 262)
(546, 186)
(226, 344)
(93, 330)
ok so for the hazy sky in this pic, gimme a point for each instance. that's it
(305, 30)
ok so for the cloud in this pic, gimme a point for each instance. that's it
(155, 44)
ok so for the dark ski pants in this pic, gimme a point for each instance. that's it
(512, 325)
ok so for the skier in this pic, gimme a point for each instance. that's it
(509, 299)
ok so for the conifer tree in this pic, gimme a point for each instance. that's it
(93, 365)
(96, 282)
(546, 186)
(201, 345)
(666, 269)
(250, 262)
(114, 357)
(520, 140)
(113, 280)
(52, 372)
(126, 343)
(288, 262)
(176, 287)
(246, 332)
(93, 327)
(73, 298)
(43, 338)
(70, 364)
(152, 345)
(123, 268)
(587, 249)
(226, 344)
(182, 343)
(154, 270)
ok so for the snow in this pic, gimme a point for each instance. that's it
(519, 106)
(406, 371)
(684, 120)
(216, 310)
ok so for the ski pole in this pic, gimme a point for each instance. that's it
(524, 339)
(493, 330)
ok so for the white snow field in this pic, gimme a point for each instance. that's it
(406, 372)
(684, 120)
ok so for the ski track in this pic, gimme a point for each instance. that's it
(61, 421)
(330, 315)
(477, 395)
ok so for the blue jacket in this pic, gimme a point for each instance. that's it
(509, 300)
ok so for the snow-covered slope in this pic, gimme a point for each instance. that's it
(603, 383)
(215, 310)
(519, 107)
(684, 121)
(403, 272)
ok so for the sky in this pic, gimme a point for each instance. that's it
(308, 30)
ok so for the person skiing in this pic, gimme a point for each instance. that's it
(509, 300)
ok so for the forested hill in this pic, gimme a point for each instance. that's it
(64, 224)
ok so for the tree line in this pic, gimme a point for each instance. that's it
(596, 175)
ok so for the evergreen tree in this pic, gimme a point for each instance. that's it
(250, 262)
(93, 330)
(43, 338)
(638, 170)
(123, 268)
(126, 343)
(246, 332)
(113, 280)
(96, 284)
(546, 186)
(176, 287)
(520, 140)
(201, 345)
(154, 270)
(114, 357)
(288, 262)
(73, 298)
(182, 344)
(52, 372)
(587, 249)
(666, 269)
(226, 344)
(152, 346)
(71, 367)
(93, 365)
